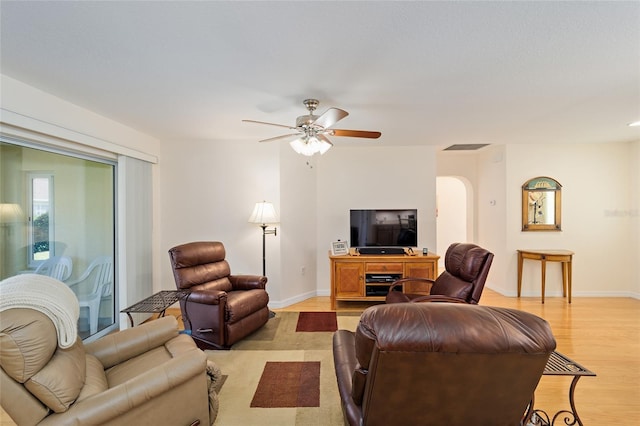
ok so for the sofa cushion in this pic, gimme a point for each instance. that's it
(27, 342)
(59, 383)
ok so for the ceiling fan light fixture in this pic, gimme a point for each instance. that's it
(301, 146)
(320, 145)
(312, 130)
(309, 146)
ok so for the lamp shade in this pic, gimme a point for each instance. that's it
(264, 213)
(10, 213)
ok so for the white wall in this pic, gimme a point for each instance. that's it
(597, 225)
(207, 191)
(26, 106)
(462, 165)
(372, 177)
(491, 206)
(452, 218)
(634, 213)
(600, 215)
(299, 212)
(210, 196)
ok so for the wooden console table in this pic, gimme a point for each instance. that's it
(544, 256)
(366, 277)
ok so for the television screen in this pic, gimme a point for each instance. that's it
(384, 227)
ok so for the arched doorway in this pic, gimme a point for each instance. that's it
(453, 204)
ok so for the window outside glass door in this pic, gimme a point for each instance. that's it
(57, 218)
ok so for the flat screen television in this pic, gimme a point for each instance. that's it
(384, 228)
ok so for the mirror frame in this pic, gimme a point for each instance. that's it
(540, 184)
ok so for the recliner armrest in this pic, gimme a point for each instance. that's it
(248, 282)
(207, 297)
(400, 282)
(126, 344)
(346, 367)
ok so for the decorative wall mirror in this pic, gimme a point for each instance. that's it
(541, 204)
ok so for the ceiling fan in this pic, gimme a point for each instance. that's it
(311, 130)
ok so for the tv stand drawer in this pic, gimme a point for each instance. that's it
(385, 268)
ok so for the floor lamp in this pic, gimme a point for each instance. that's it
(263, 214)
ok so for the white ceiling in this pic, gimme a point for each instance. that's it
(435, 73)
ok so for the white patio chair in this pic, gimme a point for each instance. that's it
(58, 267)
(99, 279)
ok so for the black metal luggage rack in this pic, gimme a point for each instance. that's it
(156, 303)
(560, 365)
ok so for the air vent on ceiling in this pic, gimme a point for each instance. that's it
(466, 147)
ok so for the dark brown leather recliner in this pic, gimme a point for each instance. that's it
(220, 308)
(466, 269)
(440, 364)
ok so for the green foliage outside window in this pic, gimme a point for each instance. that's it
(41, 233)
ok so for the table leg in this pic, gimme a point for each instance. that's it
(568, 417)
(520, 261)
(569, 265)
(564, 279)
(572, 389)
(543, 262)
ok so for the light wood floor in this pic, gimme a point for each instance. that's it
(602, 334)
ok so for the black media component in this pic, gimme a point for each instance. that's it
(381, 250)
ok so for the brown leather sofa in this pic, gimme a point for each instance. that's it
(221, 308)
(440, 364)
(147, 375)
(466, 270)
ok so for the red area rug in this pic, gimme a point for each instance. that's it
(288, 384)
(317, 321)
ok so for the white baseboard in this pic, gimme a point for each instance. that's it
(513, 293)
(278, 304)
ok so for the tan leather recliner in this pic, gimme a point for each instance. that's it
(147, 375)
(440, 364)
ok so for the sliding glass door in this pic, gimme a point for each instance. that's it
(57, 217)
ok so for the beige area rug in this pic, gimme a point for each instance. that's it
(277, 342)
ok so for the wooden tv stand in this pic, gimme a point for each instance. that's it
(356, 277)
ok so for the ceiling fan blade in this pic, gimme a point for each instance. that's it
(330, 117)
(277, 138)
(269, 124)
(355, 133)
(324, 138)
